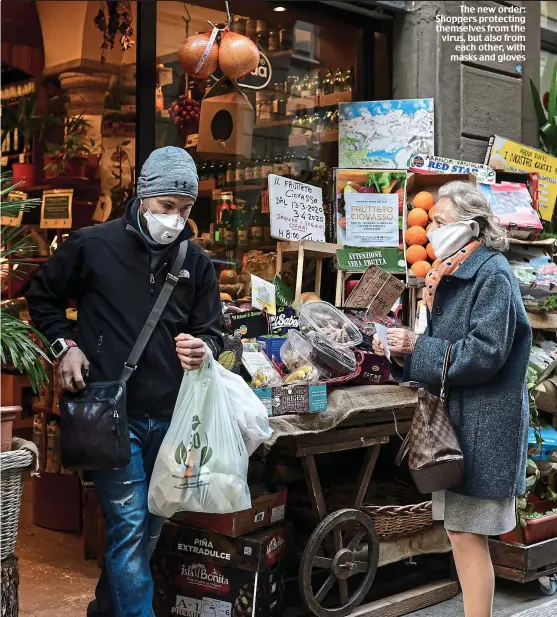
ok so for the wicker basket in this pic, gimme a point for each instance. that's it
(12, 467)
(392, 522)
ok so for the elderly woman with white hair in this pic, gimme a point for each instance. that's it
(474, 304)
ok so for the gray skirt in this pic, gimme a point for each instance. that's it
(486, 517)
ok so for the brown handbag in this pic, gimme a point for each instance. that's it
(435, 457)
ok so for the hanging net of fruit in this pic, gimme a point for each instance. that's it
(184, 112)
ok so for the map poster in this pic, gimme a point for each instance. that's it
(385, 134)
(507, 155)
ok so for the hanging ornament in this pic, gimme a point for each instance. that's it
(238, 55)
(199, 55)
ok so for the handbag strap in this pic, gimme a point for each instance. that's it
(155, 314)
(445, 376)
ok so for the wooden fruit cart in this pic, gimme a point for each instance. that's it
(344, 544)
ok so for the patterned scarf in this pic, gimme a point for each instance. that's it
(446, 267)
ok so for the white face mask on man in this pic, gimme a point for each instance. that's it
(164, 228)
(450, 238)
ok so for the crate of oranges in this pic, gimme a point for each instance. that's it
(421, 192)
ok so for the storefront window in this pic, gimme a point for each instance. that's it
(309, 64)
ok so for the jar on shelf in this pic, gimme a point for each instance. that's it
(279, 101)
(262, 34)
(264, 106)
(239, 25)
(295, 87)
(251, 29)
(286, 38)
(274, 40)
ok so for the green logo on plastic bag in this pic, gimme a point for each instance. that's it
(185, 455)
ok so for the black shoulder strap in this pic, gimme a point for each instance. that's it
(156, 312)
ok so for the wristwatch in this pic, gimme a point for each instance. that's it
(60, 346)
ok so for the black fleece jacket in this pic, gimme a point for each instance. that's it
(107, 270)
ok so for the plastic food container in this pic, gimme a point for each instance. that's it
(329, 358)
(324, 319)
(296, 351)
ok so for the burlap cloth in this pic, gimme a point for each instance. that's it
(343, 403)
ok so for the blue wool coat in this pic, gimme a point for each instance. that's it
(479, 310)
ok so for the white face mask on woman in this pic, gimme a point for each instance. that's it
(164, 228)
(450, 238)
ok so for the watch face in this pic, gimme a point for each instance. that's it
(57, 347)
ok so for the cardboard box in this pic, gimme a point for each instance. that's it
(254, 552)
(267, 509)
(199, 573)
(431, 183)
(300, 399)
(225, 123)
(188, 588)
(272, 345)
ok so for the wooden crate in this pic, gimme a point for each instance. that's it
(521, 563)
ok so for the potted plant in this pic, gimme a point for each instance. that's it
(547, 125)
(70, 158)
(30, 124)
(18, 349)
(123, 190)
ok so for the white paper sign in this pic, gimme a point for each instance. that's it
(296, 210)
(381, 332)
(371, 220)
(263, 295)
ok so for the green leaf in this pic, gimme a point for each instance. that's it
(178, 454)
(552, 106)
(195, 423)
(206, 454)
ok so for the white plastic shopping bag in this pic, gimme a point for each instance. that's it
(202, 465)
(249, 411)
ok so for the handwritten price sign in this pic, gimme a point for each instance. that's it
(296, 210)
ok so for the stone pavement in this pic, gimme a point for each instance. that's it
(511, 600)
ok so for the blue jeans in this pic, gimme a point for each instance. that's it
(125, 588)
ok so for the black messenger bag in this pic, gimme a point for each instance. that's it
(94, 428)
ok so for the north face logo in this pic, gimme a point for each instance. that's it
(184, 274)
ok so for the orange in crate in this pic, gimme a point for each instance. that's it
(421, 268)
(423, 200)
(415, 253)
(415, 235)
(417, 216)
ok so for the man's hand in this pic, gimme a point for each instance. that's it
(71, 365)
(401, 341)
(191, 352)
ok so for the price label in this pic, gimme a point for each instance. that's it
(296, 210)
(56, 210)
(16, 215)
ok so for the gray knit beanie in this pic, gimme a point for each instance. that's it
(168, 171)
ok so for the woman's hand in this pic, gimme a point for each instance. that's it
(401, 341)
(377, 345)
(191, 352)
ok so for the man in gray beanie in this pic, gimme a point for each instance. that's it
(115, 272)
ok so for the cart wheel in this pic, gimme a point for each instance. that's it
(548, 585)
(348, 529)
